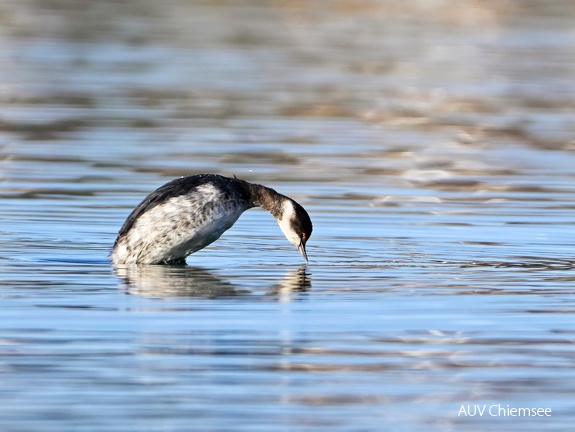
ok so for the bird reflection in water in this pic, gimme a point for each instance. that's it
(192, 281)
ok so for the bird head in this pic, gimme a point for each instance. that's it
(295, 224)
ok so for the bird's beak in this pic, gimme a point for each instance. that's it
(302, 251)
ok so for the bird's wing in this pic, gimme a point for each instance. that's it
(174, 188)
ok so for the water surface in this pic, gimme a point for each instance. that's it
(432, 145)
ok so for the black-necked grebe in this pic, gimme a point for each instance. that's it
(189, 213)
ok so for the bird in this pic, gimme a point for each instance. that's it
(189, 213)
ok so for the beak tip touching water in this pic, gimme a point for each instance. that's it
(302, 251)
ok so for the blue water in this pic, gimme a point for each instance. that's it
(432, 145)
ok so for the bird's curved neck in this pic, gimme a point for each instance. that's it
(268, 199)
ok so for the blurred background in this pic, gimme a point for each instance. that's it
(431, 141)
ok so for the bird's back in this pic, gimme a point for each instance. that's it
(179, 218)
